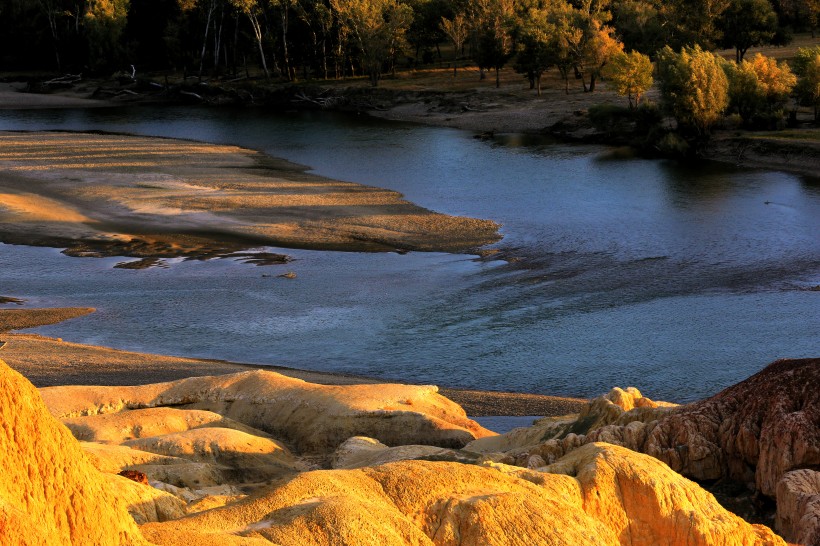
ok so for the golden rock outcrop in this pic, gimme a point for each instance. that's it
(49, 492)
(311, 417)
(599, 494)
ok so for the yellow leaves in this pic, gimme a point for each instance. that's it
(630, 74)
(773, 78)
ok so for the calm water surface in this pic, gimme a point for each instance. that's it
(680, 280)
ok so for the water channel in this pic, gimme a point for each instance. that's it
(677, 279)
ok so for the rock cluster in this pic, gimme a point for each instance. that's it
(256, 458)
(754, 432)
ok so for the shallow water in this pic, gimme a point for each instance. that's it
(678, 280)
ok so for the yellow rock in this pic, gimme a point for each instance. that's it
(115, 428)
(313, 418)
(49, 492)
(599, 494)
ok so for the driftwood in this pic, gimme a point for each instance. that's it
(321, 101)
(191, 94)
(68, 78)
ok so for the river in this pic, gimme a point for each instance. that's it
(677, 279)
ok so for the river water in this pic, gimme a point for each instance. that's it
(680, 280)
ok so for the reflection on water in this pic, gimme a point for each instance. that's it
(680, 280)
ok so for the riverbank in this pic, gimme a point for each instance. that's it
(435, 98)
(47, 362)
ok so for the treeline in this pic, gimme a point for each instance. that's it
(305, 39)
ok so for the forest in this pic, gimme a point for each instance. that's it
(322, 39)
(633, 43)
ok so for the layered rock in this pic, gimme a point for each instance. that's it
(753, 432)
(312, 418)
(617, 407)
(49, 493)
(798, 507)
(600, 494)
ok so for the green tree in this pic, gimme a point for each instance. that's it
(747, 23)
(104, 24)
(806, 65)
(694, 87)
(537, 49)
(494, 40)
(631, 75)
(759, 88)
(377, 28)
(639, 25)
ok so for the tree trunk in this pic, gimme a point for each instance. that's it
(497, 77)
(538, 85)
(211, 9)
(592, 82)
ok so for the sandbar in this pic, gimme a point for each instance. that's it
(122, 195)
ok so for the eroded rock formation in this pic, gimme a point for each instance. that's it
(599, 495)
(753, 432)
(49, 493)
(311, 417)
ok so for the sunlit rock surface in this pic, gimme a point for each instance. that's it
(600, 494)
(311, 417)
(207, 460)
(49, 493)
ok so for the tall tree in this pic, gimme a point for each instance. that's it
(104, 23)
(694, 87)
(807, 67)
(631, 75)
(377, 27)
(457, 30)
(494, 40)
(538, 48)
(253, 10)
(747, 23)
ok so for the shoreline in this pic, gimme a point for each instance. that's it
(486, 112)
(34, 355)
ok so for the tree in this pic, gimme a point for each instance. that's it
(694, 87)
(747, 23)
(253, 11)
(631, 75)
(759, 88)
(494, 41)
(639, 25)
(104, 23)
(598, 46)
(691, 22)
(807, 67)
(457, 30)
(377, 27)
(537, 49)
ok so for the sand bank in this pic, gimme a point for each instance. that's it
(118, 195)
